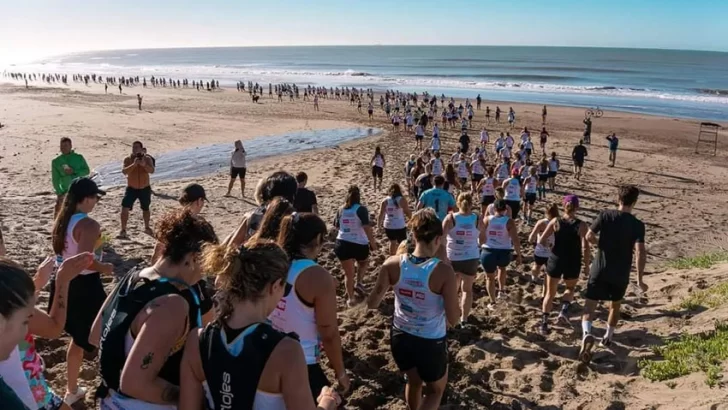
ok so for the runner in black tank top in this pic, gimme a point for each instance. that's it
(244, 361)
(565, 260)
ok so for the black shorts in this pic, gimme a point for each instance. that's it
(468, 267)
(528, 151)
(552, 174)
(543, 177)
(477, 177)
(540, 260)
(487, 200)
(427, 356)
(317, 379)
(419, 137)
(348, 250)
(492, 259)
(396, 235)
(86, 295)
(463, 181)
(515, 208)
(236, 172)
(601, 290)
(131, 195)
(579, 163)
(563, 269)
(530, 198)
(377, 172)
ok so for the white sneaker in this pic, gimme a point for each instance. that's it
(70, 398)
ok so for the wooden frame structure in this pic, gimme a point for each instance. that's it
(708, 134)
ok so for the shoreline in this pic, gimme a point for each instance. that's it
(717, 112)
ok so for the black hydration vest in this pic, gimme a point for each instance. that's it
(233, 380)
(129, 297)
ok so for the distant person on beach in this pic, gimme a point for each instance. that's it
(426, 304)
(378, 163)
(316, 102)
(618, 236)
(543, 115)
(497, 114)
(578, 155)
(554, 165)
(587, 130)
(137, 167)
(543, 139)
(64, 169)
(613, 145)
(487, 115)
(393, 215)
(119, 89)
(237, 168)
(306, 200)
(106, 88)
(139, 101)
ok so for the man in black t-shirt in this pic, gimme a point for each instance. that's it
(578, 155)
(464, 142)
(620, 236)
(305, 198)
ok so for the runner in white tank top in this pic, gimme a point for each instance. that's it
(393, 214)
(437, 165)
(541, 253)
(501, 238)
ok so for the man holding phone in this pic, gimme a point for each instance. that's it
(137, 167)
(64, 169)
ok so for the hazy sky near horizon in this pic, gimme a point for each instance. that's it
(35, 28)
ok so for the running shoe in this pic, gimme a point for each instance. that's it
(543, 328)
(585, 354)
(502, 295)
(71, 398)
(563, 319)
(605, 342)
(360, 288)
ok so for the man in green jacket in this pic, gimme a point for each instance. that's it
(65, 168)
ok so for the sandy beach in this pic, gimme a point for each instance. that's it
(501, 362)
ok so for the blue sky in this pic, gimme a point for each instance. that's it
(35, 28)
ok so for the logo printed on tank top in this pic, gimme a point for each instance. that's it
(420, 295)
(405, 292)
(226, 394)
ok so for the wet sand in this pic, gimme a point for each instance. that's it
(500, 361)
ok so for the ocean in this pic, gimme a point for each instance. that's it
(691, 84)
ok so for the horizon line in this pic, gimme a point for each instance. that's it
(372, 45)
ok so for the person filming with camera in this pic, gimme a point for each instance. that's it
(137, 167)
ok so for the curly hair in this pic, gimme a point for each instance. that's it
(244, 272)
(181, 233)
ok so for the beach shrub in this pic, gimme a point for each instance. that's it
(702, 261)
(702, 352)
(709, 298)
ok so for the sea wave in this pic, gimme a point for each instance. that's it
(711, 91)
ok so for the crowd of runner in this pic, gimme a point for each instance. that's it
(253, 336)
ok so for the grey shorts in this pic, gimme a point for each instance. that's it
(468, 267)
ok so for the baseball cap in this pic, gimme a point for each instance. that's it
(571, 199)
(193, 192)
(84, 187)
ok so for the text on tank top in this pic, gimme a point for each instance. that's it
(531, 184)
(544, 251)
(293, 315)
(477, 168)
(394, 214)
(513, 190)
(487, 188)
(497, 235)
(463, 169)
(71, 246)
(462, 239)
(350, 227)
(502, 171)
(417, 310)
(437, 166)
(233, 367)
